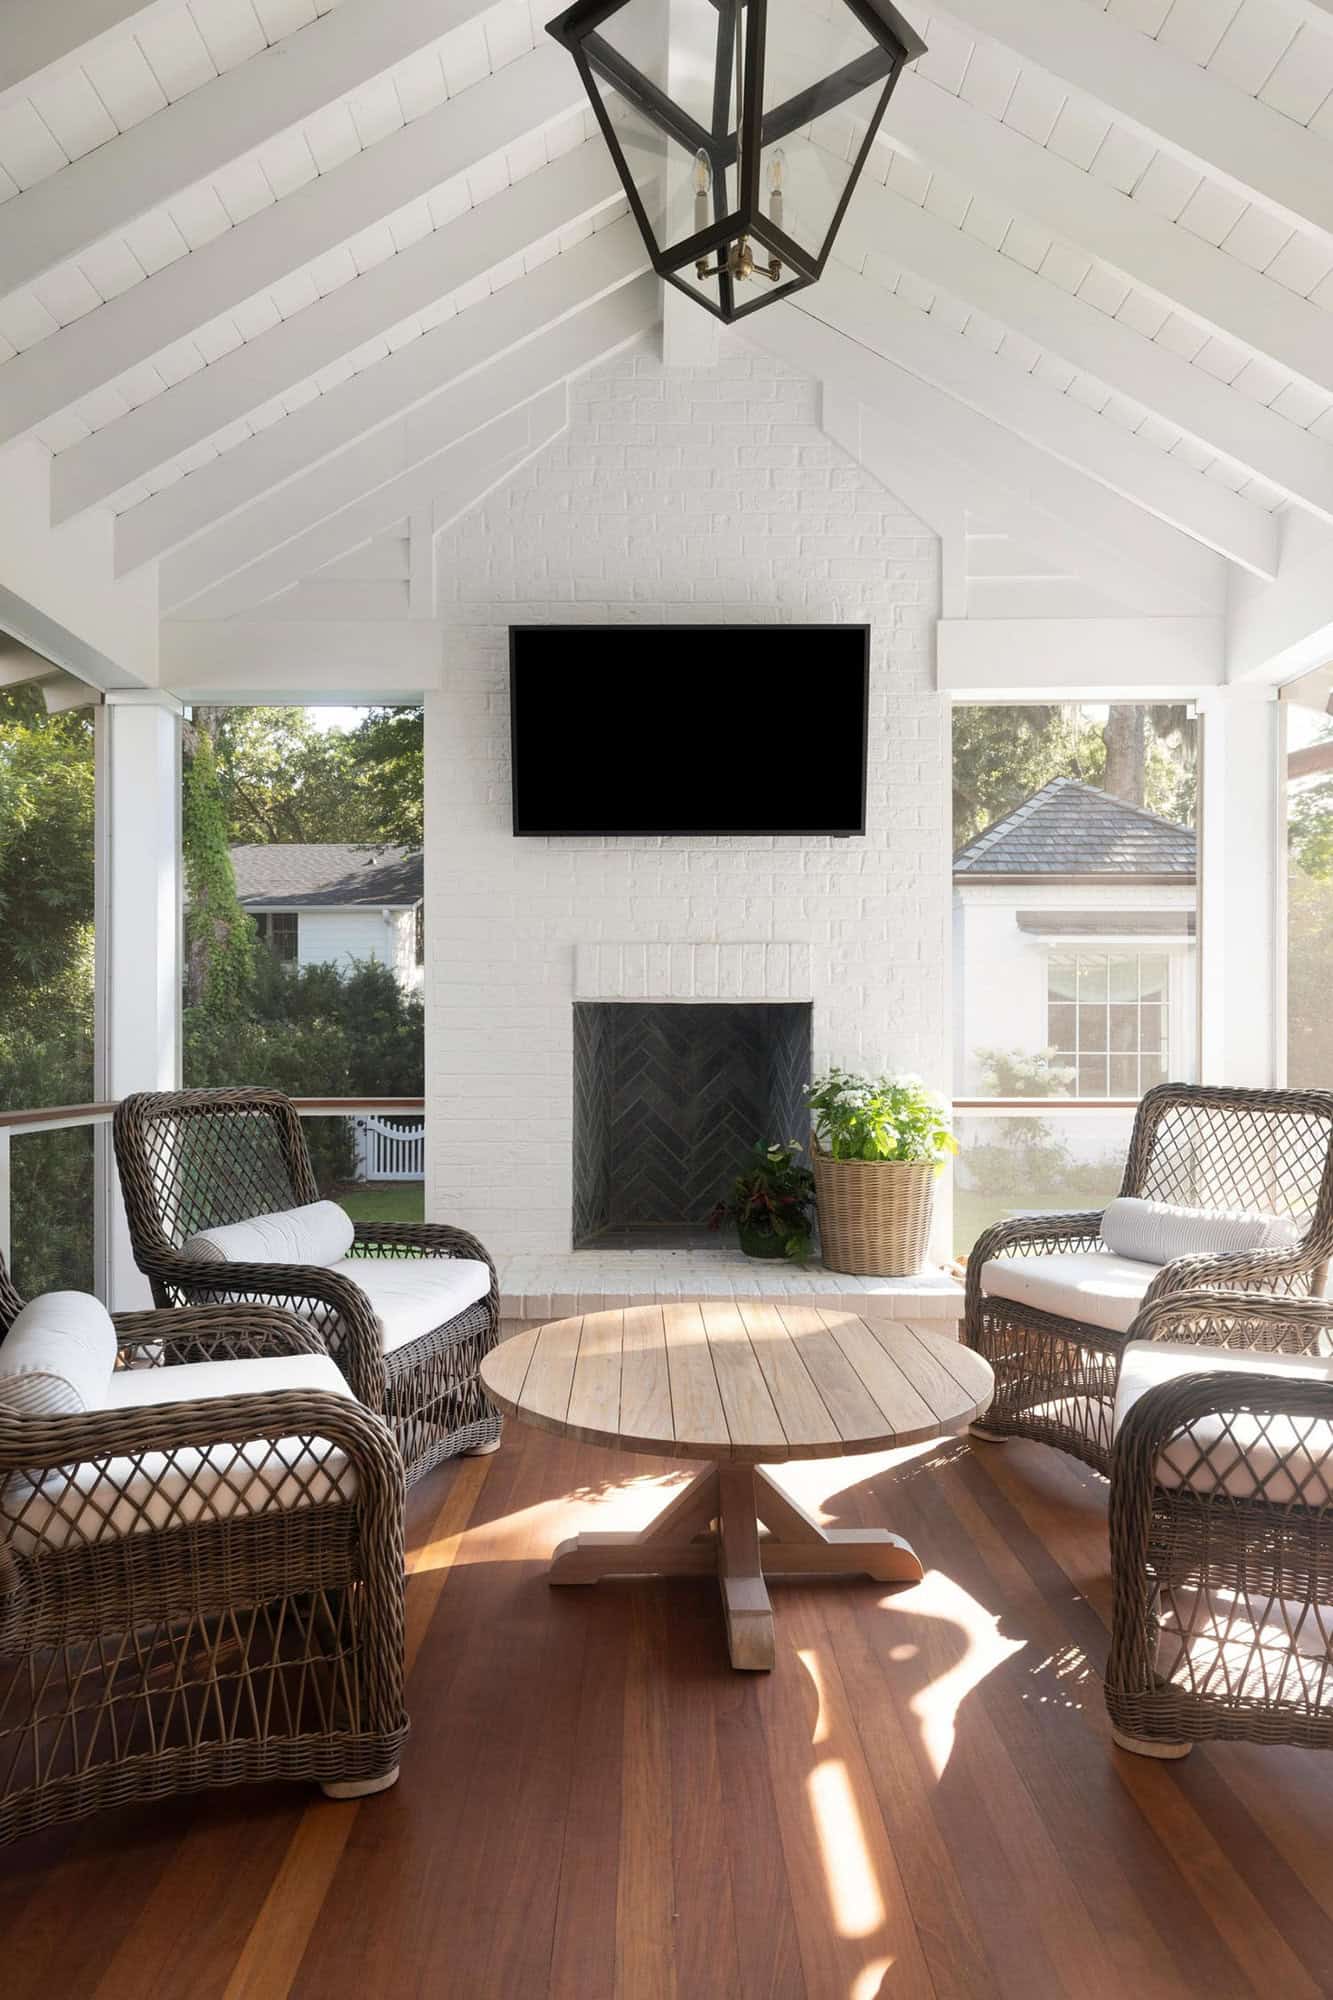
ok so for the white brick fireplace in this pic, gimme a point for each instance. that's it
(674, 496)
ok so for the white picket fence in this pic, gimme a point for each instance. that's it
(387, 1152)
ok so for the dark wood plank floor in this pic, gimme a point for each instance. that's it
(922, 1800)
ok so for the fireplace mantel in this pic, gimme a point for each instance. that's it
(686, 970)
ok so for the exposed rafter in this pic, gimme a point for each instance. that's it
(386, 465)
(1150, 374)
(441, 486)
(1172, 100)
(487, 236)
(355, 195)
(942, 131)
(110, 187)
(1162, 485)
(1168, 572)
(371, 401)
(39, 36)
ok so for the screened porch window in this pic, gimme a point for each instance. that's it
(277, 929)
(1107, 1020)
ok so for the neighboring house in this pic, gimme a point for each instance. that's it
(335, 903)
(1074, 931)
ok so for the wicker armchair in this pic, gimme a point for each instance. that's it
(1263, 1150)
(1221, 1518)
(198, 1588)
(196, 1159)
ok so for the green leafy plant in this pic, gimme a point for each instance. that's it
(771, 1203)
(879, 1118)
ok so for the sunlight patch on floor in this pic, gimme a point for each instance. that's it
(936, 1707)
(849, 1875)
(625, 1505)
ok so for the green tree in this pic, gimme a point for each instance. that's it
(283, 778)
(1143, 753)
(46, 979)
(387, 755)
(46, 843)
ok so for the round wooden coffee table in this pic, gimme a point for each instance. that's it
(744, 1385)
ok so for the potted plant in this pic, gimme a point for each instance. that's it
(878, 1144)
(770, 1204)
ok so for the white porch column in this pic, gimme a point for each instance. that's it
(1240, 885)
(138, 939)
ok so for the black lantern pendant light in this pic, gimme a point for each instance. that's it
(739, 127)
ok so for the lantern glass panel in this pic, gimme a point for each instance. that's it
(681, 64)
(665, 173)
(824, 81)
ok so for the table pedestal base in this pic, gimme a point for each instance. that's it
(712, 1527)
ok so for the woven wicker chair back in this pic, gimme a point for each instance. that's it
(198, 1159)
(1265, 1150)
(10, 1302)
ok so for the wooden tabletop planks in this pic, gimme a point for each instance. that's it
(700, 1426)
(747, 1381)
(799, 1404)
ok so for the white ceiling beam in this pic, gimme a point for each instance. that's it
(1318, 12)
(1169, 99)
(361, 191)
(41, 36)
(290, 661)
(1201, 507)
(931, 125)
(192, 138)
(1163, 382)
(568, 191)
(529, 307)
(1158, 658)
(1171, 572)
(381, 476)
(251, 572)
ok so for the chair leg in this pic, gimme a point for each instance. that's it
(987, 1437)
(1146, 1746)
(359, 1788)
(483, 1450)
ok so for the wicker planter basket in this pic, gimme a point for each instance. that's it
(874, 1215)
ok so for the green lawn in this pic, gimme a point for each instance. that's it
(385, 1201)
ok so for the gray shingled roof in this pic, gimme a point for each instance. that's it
(1071, 829)
(308, 874)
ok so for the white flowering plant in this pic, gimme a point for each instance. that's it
(879, 1118)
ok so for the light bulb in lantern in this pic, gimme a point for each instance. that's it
(777, 174)
(703, 187)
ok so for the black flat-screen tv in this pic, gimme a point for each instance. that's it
(689, 729)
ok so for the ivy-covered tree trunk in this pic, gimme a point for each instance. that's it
(219, 936)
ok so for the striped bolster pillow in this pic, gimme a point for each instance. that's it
(58, 1357)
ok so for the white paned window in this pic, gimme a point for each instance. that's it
(1107, 1019)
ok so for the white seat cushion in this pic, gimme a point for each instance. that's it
(1270, 1458)
(136, 1494)
(414, 1295)
(57, 1356)
(1088, 1285)
(317, 1233)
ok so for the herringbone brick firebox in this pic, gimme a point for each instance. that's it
(668, 1100)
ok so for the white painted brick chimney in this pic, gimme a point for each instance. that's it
(675, 496)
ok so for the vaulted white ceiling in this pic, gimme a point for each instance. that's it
(285, 280)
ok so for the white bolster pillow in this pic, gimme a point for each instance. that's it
(58, 1357)
(319, 1233)
(1157, 1232)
